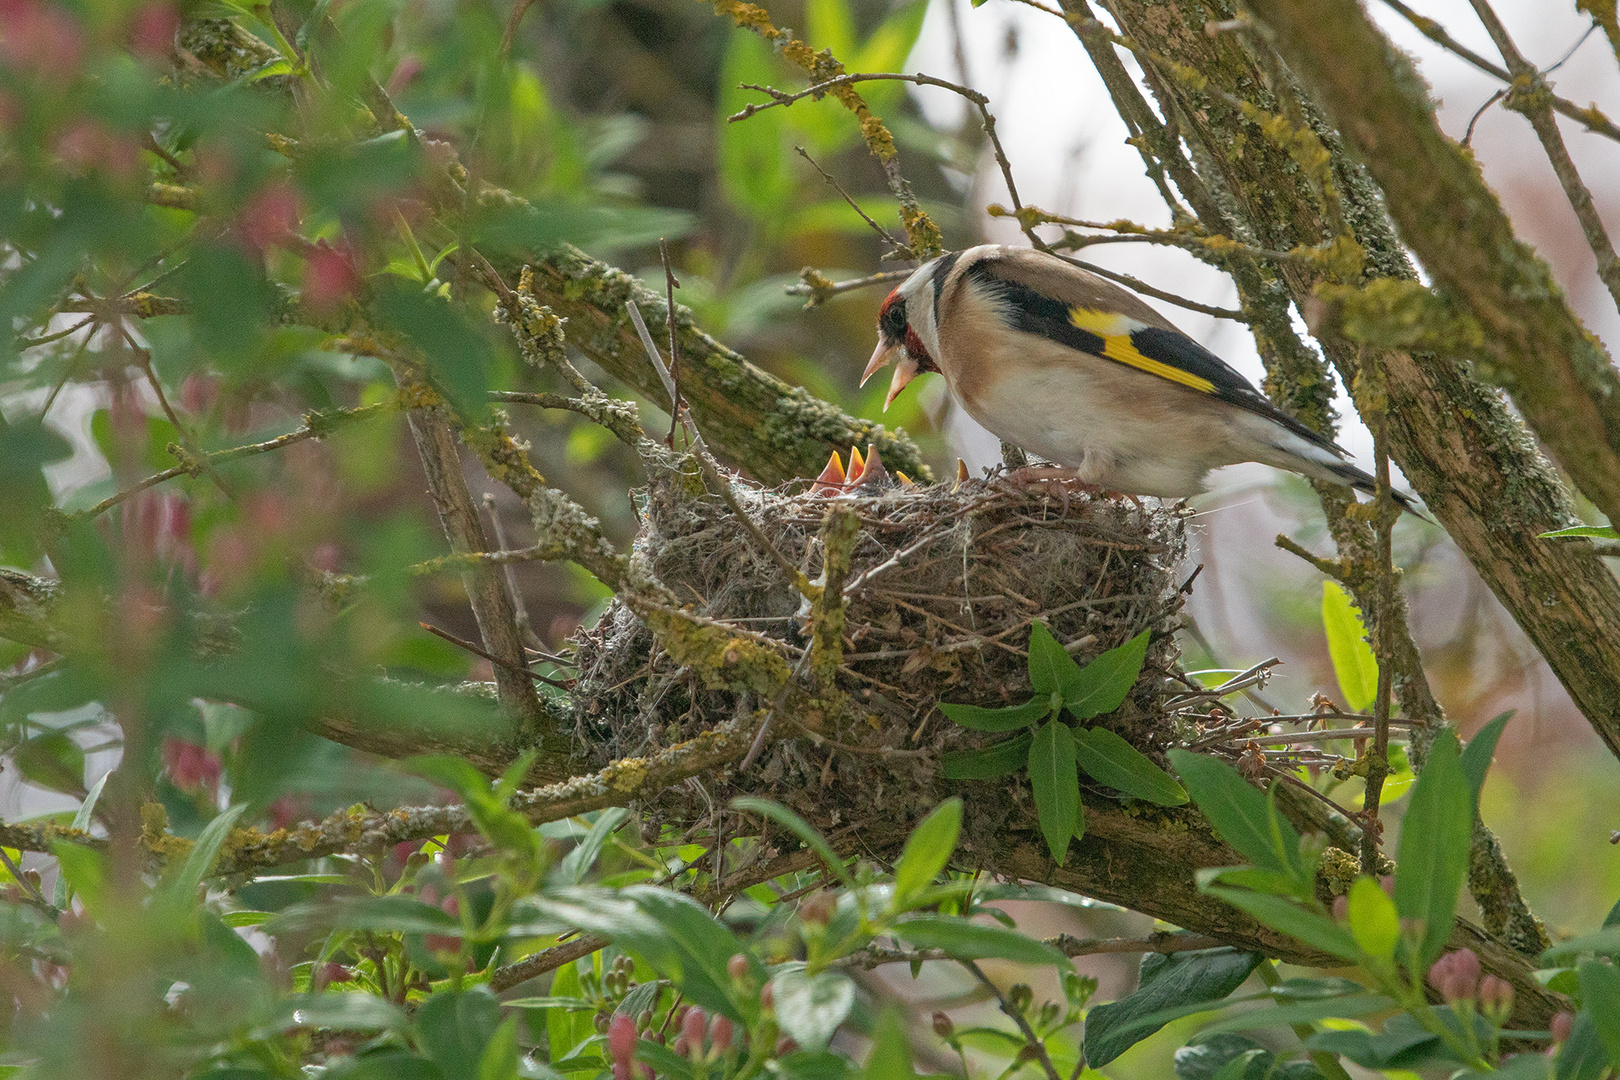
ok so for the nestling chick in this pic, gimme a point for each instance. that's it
(1075, 369)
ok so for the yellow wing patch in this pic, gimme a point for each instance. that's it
(1115, 331)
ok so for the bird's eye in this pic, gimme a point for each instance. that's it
(892, 319)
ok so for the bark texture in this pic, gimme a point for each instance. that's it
(1475, 465)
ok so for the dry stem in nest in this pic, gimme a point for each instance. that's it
(943, 587)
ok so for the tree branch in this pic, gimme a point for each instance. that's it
(782, 432)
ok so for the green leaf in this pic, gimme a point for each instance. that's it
(1304, 1012)
(1432, 860)
(1101, 686)
(1582, 1057)
(578, 862)
(1600, 999)
(86, 814)
(201, 858)
(1605, 942)
(53, 761)
(1280, 913)
(1373, 921)
(1109, 759)
(1056, 786)
(459, 356)
(1008, 718)
(1353, 660)
(964, 940)
(1051, 668)
(454, 1028)
(798, 827)
(809, 1008)
(1598, 532)
(1207, 1056)
(927, 850)
(1172, 981)
(500, 1058)
(890, 1056)
(990, 762)
(345, 1012)
(567, 1028)
(674, 934)
(1243, 817)
(395, 914)
(85, 870)
(1477, 755)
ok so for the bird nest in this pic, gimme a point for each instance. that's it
(943, 587)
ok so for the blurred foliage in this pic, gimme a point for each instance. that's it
(218, 218)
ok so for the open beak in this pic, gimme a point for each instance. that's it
(905, 369)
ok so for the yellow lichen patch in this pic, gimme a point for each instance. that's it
(627, 775)
(157, 839)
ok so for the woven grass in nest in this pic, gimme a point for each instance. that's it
(943, 587)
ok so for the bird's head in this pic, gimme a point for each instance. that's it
(899, 344)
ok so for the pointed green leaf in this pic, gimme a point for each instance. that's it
(800, 828)
(1353, 660)
(1241, 815)
(1191, 981)
(1477, 755)
(578, 862)
(1432, 860)
(1600, 999)
(890, 1056)
(203, 853)
(964, 940)
(927, 850)
(1009, 718)
(1287, 916)
(1582, 1056)
(1373, 922)
(1056, 785)
(1101, 685)
(1109, 759)
(1051, 669)
(1597, 532)
(989, 762)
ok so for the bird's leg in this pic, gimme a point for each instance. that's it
(1064, 479)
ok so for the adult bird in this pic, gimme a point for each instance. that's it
(1077, 370)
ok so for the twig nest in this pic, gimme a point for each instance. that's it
(944, 584)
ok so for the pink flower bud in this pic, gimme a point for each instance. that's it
(1341, 908)
(621, 1038)
(1495, 997)
(692, 1025)
(681, 1046)
(1387, 883)
(767, 997)
(943, 1026)
(785, 1045)
(1563, 1026)
(720, 1033)
(737, 967)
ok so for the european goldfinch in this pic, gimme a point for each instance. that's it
(1078, 371)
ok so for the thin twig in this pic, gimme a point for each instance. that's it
(884, 234)
(519, 9)
(1017, 1016)
(982, 103)
(1378, 759)
(670, 285)
(1590, 117)
(711, 469)
(477, 650)
(509, 975)
(833, 288)
(1529, 96)
(316, 425)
